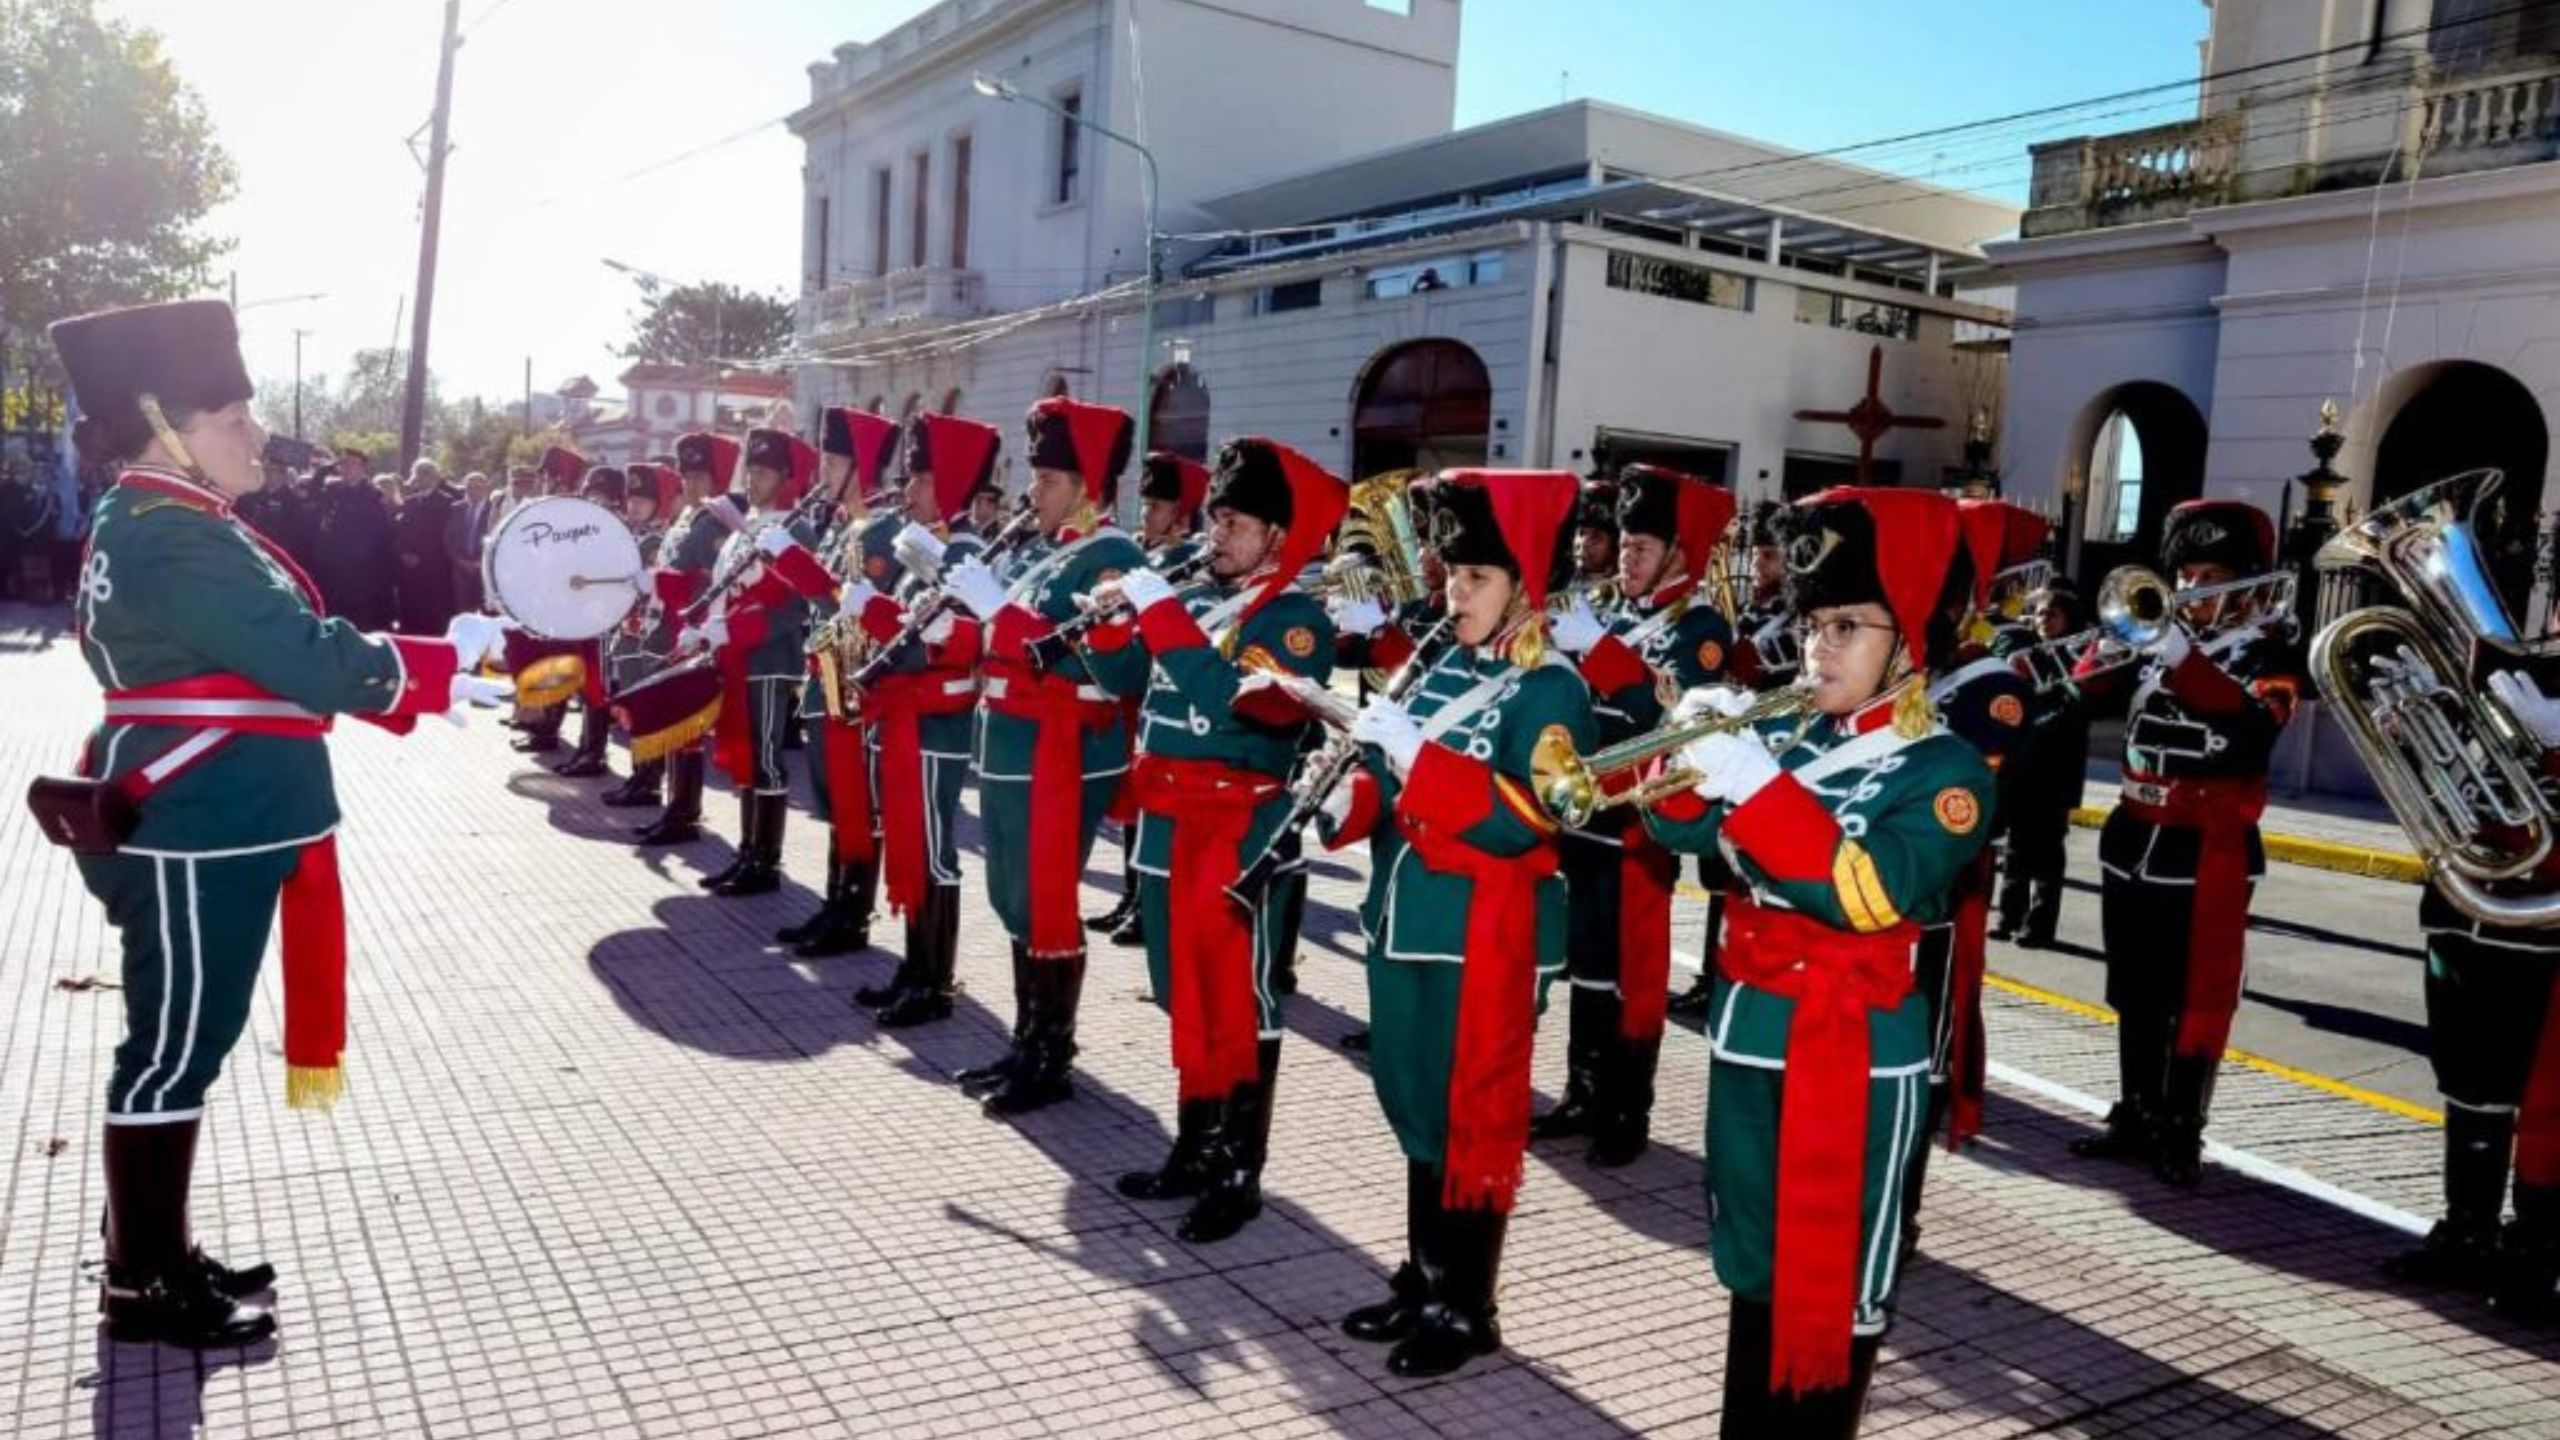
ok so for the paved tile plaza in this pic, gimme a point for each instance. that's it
(611, 1165)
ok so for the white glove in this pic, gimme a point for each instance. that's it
(1575, 629)
(1337, 807)
(1144, 590)
(1357, 617)
(938, 630)
(974, 585)
(2535, 711)
(1391, 728)
(855, 597)
(476, 638)
(2174, 647)
(774, 539)
(920, 550)
(1725, 700)
(471, 692)
(711, 634)
(1730, 768)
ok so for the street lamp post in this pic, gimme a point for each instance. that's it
(997, 89)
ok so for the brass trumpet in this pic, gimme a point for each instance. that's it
(2136, 607)
(1572, 788)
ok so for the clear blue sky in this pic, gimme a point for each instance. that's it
(569, 113)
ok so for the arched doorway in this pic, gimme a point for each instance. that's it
(2138, 451)
(1178, 417)
(1424, 405)
(2462, 415)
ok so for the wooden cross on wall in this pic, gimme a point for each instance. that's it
(1871, 419)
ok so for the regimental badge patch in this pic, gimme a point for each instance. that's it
(1958, 811)
(1710, 656)
(876, 567)
(2008, 710)
(1300, 641)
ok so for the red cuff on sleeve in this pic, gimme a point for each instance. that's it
(1168, 627)
(766, 590)
(747, 629)
(801, 571)
(960, 652)
(1363, 819)
(673, 588)
(427, 671)
(1613, 666)
(1682, 807)
(2206, 686)
(1447, 791)
(1110, 637)
(1786, 831)
(882, 619)
(1390, 648)
(1267, 706)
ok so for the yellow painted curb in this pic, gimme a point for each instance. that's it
(2389, 1104)
(2330, 855)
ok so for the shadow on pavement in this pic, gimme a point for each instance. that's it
(158, 1389)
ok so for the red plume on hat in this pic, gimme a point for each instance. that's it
(1531, 508)
(562, 466)
(869, 440)
(1918, 535)
(962, 455)
(795, 459)
(1190, 477)
(659, 482)
(1092, 440)
(1706, 508)
(1317, 500)
(703, 450)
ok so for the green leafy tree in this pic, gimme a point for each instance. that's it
(476, 439)
(108, 168)
(704, 324)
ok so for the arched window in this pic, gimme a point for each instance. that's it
(1424, 405)
(1178, 419)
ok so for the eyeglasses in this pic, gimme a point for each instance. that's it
(1836, 632)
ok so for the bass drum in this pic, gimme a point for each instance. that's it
(563, 568)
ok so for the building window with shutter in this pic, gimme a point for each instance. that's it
(1070, 172)
(920, 213)
(961, 156)
(881, 181)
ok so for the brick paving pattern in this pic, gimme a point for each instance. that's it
(610, 1165)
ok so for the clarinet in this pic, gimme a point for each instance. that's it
(937, 602)
(1051, 650)
(1324, 773)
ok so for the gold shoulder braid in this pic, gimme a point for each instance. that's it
(1528, 648)
(1084, 520)
(1913, 714)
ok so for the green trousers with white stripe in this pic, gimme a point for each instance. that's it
(1742, 1181)
(195, 931)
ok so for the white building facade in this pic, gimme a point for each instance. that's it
(1574, 288)
(2364, 211)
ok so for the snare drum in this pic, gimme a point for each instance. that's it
(670, 709)
(563, 568)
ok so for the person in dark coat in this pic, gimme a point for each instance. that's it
(352, 559)
(418, 538)
(465, 532)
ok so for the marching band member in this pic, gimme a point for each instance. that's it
(1211, 783)
(1465, 912)
(920, 715)
(854, 449)
(543, 691)
(207, 799)
(1595, 543)
(759, 638)
(2041, 787)
(1845, 830)
(704, 465)
(604, 485)
(1170, 492)
(643, 645)
(1664, 639)
(2180, 851)
(1764, 656)
(1052, 743)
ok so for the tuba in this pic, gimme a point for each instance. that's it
(2455, 765)
(1377, 550)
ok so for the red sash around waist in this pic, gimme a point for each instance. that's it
(1057, 793)
(1216, 1023)
(2224, 813)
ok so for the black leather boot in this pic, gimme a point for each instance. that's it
(540, 730)
(981, 1078)
(1180, 1176)
(1460, 1321)
(587, 761)
(158, 1287)
(1236, 1154)
(1410, 1287)
(1746, 1371)
(924, 996)
(1118, 915)
(2142, 1056)
(1048, 1052)
(681, 821)
(1752, 1411)
(1623, 1129)
(762, 872)
(2187, 1095)
(2529, 1258)
(2461, 1252)
(844, 922)
(1585, 1050)
(738, 858)
(827, 903)
(641, 789)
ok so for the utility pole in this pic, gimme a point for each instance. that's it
(413, 408)
(298, 333)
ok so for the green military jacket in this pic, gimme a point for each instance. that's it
(1910, 815)
(1191, 711)
(1043, 578)
(1661, 644)
(1413, 913)
(782, 653)
(175, 588)
(945, 735)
